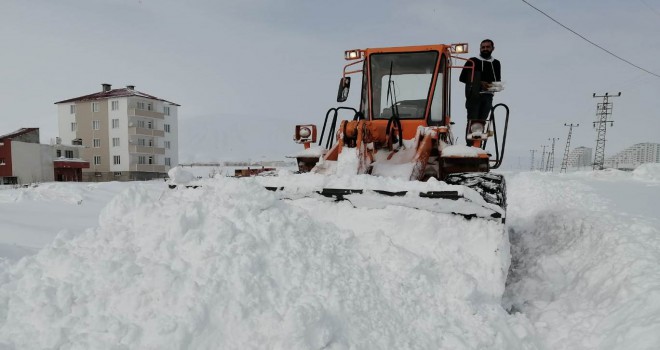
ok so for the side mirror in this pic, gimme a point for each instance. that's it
(344, 87)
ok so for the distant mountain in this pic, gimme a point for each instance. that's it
(235, 138)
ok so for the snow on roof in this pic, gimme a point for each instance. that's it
(17, 133)
(125, 92)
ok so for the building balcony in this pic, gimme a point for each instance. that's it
(146, 149)
(135, 112)
(153, 168)
(133, 130)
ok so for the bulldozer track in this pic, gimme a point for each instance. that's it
(492, 187)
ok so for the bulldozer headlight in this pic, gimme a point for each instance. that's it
(477, 128)
(305, 133)
(353, 54)
(459, 48)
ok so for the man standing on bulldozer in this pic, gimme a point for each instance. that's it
(480, 87)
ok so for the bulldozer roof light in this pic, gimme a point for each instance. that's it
(353, 54)
(459, 48)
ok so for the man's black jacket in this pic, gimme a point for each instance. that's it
(488, 70)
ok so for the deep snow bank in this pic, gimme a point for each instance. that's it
(585, 272)
(31, 217)
(648, 172)
(228, 266)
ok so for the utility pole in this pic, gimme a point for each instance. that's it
(603, 111)
(550, 164)
(531, 168)
(542, 167)
(564, 162)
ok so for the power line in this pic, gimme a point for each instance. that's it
(650, 8)
(591, 42)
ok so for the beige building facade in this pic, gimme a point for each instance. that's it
(125, 134)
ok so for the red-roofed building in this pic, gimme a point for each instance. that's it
(126, 134)
(24, 160)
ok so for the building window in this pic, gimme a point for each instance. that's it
(116, 160)
(115, 123)
(150, 125)
(117, 173)
(150, 106)
(167, 144)
(72, 109)
(115, 105)
(97, 143)
(151, 159)
(167, 127)
(115, 142)
(97, 160)
(2, 161)
(68, 154)
(141, 142)
(96, 124)
(168, 161)
(140, 105)
(58, 153)
(151, 142)
(166, 110)
(74, 126)
(140, 123)
(142, 160)
(95, 107)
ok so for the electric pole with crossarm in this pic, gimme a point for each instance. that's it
(603, 111)
(564, 162)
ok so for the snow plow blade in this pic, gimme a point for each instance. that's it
(446, 202)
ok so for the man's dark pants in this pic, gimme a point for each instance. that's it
(478, 110)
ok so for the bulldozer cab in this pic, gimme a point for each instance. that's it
(410, 84)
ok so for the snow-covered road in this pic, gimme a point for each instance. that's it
(230, 266)
(586, 269)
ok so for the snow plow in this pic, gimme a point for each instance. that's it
(402, 129)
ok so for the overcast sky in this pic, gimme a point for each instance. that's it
(245, 72)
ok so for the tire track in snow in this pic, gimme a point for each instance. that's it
(586, 276)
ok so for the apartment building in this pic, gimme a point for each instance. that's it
(580, 157)
(634, 156)
(126, 134)
(24, 160)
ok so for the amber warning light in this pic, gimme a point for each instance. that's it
(459, 48)
(353, 54)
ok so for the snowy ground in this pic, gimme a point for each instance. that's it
(231, 266)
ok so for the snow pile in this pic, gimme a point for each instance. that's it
(648, 172)
(585, 272)
(609, 174)
(462, 151)
(228, 266)
(32, 216)
(312, 151)
(179, 176)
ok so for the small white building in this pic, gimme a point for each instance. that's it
(126, 134)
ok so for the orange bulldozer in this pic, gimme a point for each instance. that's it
(402, 127)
